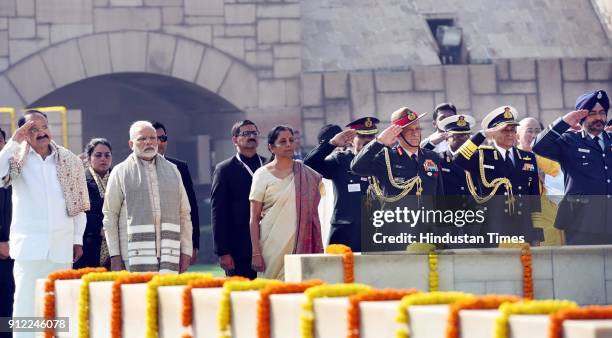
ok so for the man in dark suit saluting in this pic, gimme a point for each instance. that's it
(162, 142)
(230, 201)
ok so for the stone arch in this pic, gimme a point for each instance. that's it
(129, 51)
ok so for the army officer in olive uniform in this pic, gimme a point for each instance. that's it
(402, 175)
(398, 163)
(349, 188)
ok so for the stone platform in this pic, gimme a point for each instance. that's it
(377, 317)
(579, 273)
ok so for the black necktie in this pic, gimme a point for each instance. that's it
(508, 160)
(596, 139)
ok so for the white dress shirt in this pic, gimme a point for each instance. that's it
(40, 228)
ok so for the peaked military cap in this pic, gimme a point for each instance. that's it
(365, 125)
(457, 124)
(405, 116)
(506, 115)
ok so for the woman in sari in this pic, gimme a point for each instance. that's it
(99, 159)
(284, 198)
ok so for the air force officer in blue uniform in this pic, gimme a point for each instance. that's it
(586, 160)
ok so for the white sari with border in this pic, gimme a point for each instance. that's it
(278, 224)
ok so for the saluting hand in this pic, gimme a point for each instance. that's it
(389, 136)
(438, 137)
(23, 133)
(573, 118)
(492, 132)
(343, 138)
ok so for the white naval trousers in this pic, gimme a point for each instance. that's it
(26, 273)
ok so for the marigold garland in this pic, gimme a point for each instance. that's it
(225, 305)
(434, 279)
(187, 308)
(263, 306)
(348, 260)
(152, 330)
(334, 290)
(527, 263)
(555, 328)
(528, 307)
(354, 313)
(482, 302)
(49, 307)
(116, 310)
(84, 296)
(430, 298)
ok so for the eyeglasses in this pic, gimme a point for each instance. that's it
(248, 133)
(163, 138)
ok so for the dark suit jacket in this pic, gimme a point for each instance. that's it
(6, 211)
(230, 209)
(193, 202)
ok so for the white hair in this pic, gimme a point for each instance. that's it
(136, 126)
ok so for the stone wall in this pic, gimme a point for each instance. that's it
(543, 88)
(366, 34)
(603, 8)
(248, 52)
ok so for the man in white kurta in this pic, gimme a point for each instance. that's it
(43, 238)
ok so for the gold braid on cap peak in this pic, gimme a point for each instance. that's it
(494, 185)
(405, 187)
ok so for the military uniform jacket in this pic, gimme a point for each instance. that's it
(523, 176)
(371, 162)
(453, 175)
(588, 171)
(349, 189)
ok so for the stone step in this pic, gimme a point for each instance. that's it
(100, 305)
(205, 309)
(67, 292)
(285, 310)
(170, 300)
